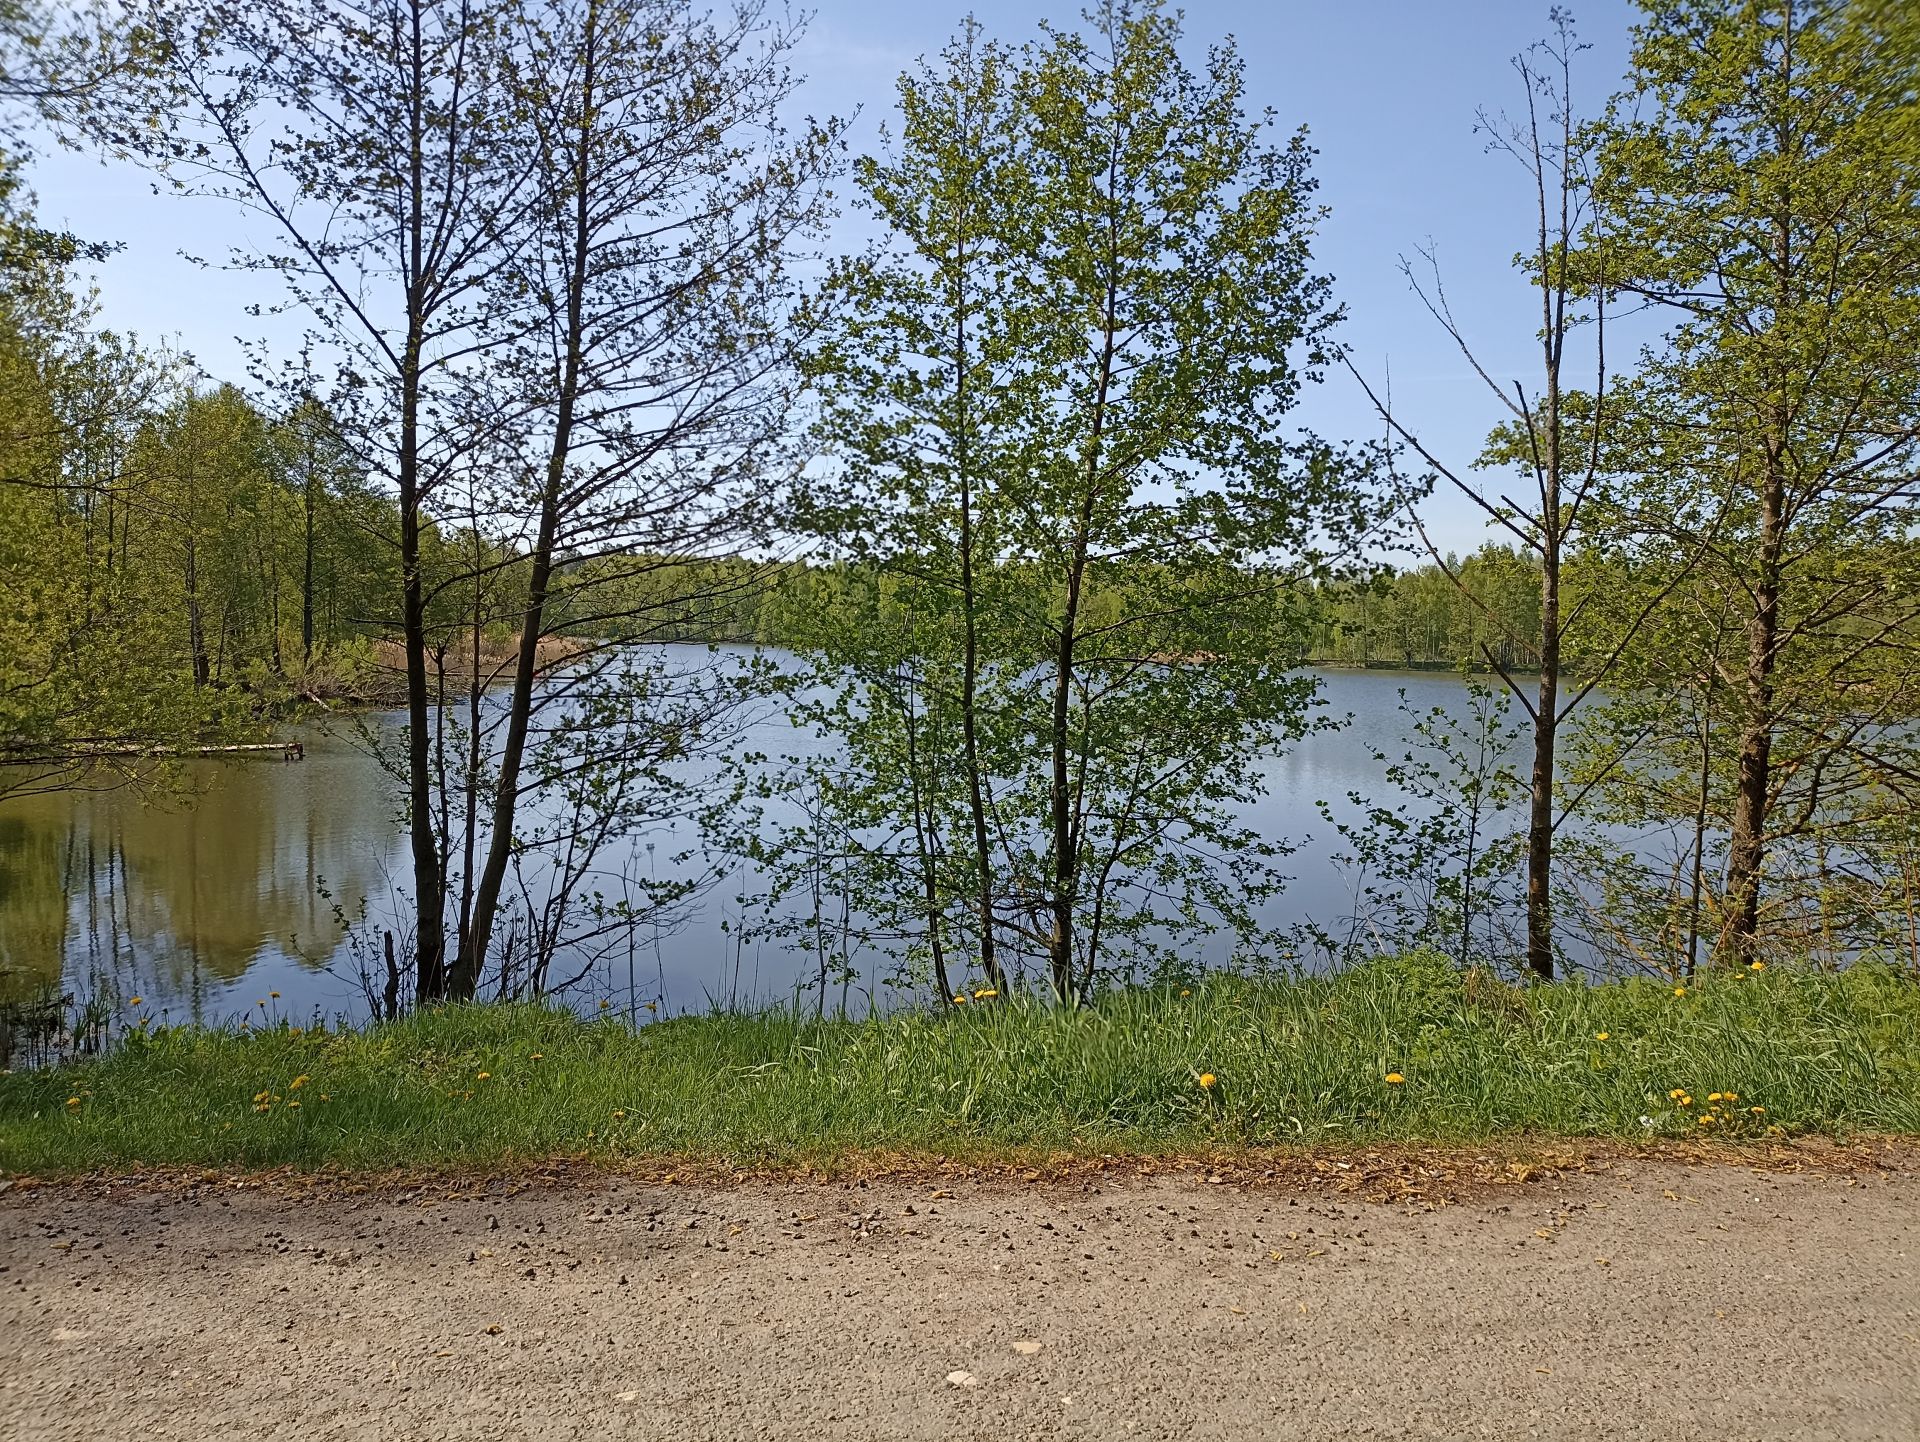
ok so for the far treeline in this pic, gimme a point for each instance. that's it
(1453, 614)
(1016, 495)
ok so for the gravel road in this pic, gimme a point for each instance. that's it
(1639, 1299)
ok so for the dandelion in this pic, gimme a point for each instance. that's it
(293, 1106)
(1676, 1094)
(1756, 966)
(1706, 1121)
(653, 1006)
(298, 1082)
(1186, 991)
(1758, 1111)
(1207, 1080)
(261, 1096)
(1686, 1101)
(1730, 1096)
(538, 1056)
(1394, 1079)
(1713, 1096)
(325, 1098)
(1600, 1035)
(959, 998)
(1679, 991)
(73, 1101)
(481, 1075)
(619, 1116)
(274, 994)
(135, 1000)
(603, 1003)
(985, 993)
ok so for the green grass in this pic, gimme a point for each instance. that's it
(1299, 1061)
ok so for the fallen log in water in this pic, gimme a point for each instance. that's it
(288, 751)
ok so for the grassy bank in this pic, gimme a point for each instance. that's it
(1403, 1050)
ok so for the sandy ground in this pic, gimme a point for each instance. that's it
(1645, 1300)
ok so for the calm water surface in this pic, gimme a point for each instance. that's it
(206, 908)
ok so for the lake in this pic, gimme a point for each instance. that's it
(210, 907)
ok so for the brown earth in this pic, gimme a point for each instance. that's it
(1637, 1298)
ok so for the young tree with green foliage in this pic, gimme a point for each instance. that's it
(1757, 187)
(654, 381)
(374, 137)
(1059, 406)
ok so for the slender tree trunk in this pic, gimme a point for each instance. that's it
(1746, 849)
(1066, 831)
(1540, 799)
(306, 564)
(506, 796)
(196, 617)
(429, 869)
(970, 659)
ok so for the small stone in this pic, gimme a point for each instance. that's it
(1026, 1349)
(626, 1396)
(962, 1379)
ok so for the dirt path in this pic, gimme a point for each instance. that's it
(1651, 1300)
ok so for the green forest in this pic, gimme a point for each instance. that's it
(1014, 500)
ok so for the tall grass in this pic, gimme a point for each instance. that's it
(1310, 1060)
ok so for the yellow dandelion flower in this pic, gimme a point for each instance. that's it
(274, 994)
(261, 1096)
(1705, 1121)
(1686, 1101)
(1676, 1094)
(298, 1082)
(1207, 1080)
(1600, 1035)
(1394, 1079)
(1730, 1096)
(985, 992)
(293, 1106)
(959, 998)
(135, 1000)
(1756, 966)
(481, 1075)
(73, 1101)
(1186, 991)
(538, 1056)
(619, 1116)
(1713, 1096)
(653, 1006)
(1679, 991)
(1758, 1111)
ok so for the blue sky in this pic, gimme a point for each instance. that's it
(1389, 89)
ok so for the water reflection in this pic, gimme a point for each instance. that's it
(205, 908)
(178, 900)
